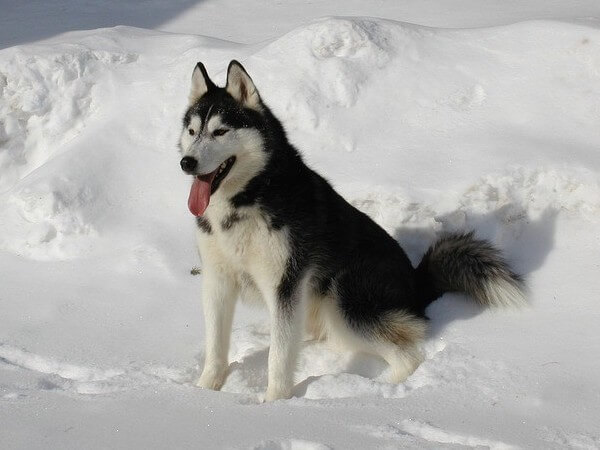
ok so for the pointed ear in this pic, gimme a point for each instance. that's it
(241, 87)
(201, 83)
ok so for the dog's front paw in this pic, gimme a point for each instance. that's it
(278, 393)
(212, 378)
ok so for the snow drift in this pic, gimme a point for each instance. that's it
(427, 130)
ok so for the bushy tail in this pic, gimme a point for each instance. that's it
(462, 263)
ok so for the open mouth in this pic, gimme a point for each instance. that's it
(219, 174)
(206, 185)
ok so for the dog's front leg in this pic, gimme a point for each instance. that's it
(286, 325)
(219, 294)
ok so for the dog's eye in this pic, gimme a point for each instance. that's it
(191, 131)
(220, 132)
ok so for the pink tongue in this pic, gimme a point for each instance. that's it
(200, 193)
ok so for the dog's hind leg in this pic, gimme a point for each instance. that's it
(403, 361)
(397, 338)
(372, 313)
(314, 329)
(219, 294)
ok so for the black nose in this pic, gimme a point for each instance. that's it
(188, 164)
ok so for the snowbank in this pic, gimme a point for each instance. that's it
(425, 129)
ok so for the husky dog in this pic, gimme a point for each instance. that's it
(271, 228)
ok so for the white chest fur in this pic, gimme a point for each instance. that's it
(241, 242)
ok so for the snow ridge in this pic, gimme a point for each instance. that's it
(427, 130)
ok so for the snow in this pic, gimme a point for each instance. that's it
(429, 116)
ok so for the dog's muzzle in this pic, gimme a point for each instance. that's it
(188, 164)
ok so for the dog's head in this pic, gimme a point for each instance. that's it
(221, 142)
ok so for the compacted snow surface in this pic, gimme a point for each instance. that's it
(495, 128)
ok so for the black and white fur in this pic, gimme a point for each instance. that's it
(276, 231)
